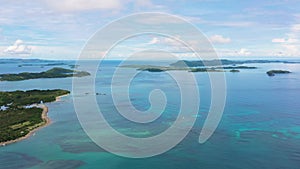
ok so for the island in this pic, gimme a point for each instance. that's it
(74, 66)
(234, 70)
(236, 67)
(41, 64)
(205, 70)
(273, 72)
(23, 112)
(222, 65)
(191, 63)
(152, 68)
(55, 72)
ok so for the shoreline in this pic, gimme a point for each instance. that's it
(44, 116)
(59, 97)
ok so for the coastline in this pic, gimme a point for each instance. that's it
(59, 97)
(46, 122)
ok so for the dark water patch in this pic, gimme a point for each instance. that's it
(9, 160)
(80, 147)
(62, 164)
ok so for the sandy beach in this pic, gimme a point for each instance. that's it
(59, 97)
(46, 122)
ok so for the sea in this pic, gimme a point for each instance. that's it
(259, 128)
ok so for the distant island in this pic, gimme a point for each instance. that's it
(42, 64)
(273, 72)
(152, 68)
(72, 66)
(236, 67)
(23, 112)
(205, 70)
(188, 63)
(222, 65)
(56, 72)
(234, 70)
(38, 63)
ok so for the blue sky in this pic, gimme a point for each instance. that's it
(51, 29)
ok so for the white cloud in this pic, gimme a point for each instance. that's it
(18, 48)
(83, 5)
(158, 19)
(144, 3)
(282, 40)
(154, 40)
(292, 40)
(296, 28)
(1, 35)
(278, 40)
(219, 39)
(292, 49)
(107, 5)
(232, 24)
(166, 42)
(289, 46)
(223, 52)
(243, 52)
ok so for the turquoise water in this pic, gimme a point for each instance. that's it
(260, 127)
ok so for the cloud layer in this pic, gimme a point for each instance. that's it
(58, 29)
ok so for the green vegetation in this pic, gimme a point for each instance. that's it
(273, 72)
(208, 66)
(236, 67)
(17, 121)
(234, 70)
(22, 98)
(41, 64)
(52, 73)
(153, 70)
(204, 70)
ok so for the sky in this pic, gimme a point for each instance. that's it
(52, 29)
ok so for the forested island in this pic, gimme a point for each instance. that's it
(273, 72)
(234, 70)
(22, 112)
(56, 72)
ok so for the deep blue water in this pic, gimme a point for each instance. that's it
(260, 127)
